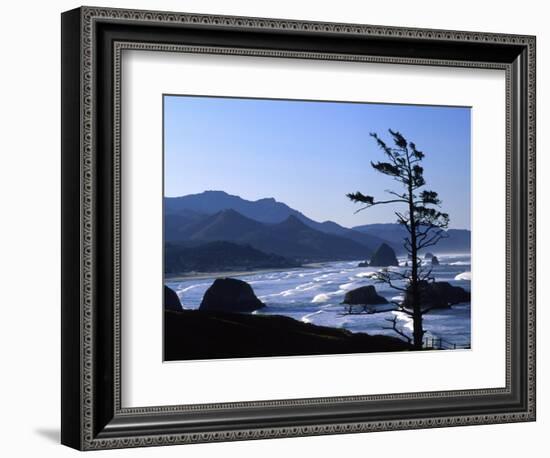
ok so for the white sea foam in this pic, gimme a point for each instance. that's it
(367, 274)
(320, 298)
(184, 290)
(467, 276)
(307, 318)
(459, 263)
(285, 293)
(306, 286)
(347, 286)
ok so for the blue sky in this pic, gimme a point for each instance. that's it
(310, 154)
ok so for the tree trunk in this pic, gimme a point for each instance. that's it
(418, 332)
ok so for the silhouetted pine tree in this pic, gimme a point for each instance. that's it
(425, 224)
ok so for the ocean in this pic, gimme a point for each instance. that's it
(315, 295)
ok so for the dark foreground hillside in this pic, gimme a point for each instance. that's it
(197, 334)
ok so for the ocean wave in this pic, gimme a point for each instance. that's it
(184, 290)
(307, 286)
(367, 274)
(307, 318)
(286, 292)
(347, 286)
(467, 276)
(319, 298)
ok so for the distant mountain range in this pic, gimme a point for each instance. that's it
(457, 240)
(280, 234)
(267, 211)
(290, 238)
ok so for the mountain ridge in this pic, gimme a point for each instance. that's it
(217, 215)
(291, 238)
(266, 210)
(457, 239)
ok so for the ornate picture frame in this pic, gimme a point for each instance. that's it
(93, 416)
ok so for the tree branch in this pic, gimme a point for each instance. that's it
(380, 202)
(385, 277)
(431, 242)
(394, 327)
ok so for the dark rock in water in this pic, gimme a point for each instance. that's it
(435, 261)
(363, 264)
(365, 295)
(171, 300)
(439, 295)
(230, 295)
(199, 334)
(428, 255)
(384, 257)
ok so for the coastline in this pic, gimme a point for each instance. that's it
(313, 294)
(238, 273)
(242, 273)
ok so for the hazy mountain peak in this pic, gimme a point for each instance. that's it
(211, 191)
(293, 222)
(206, 193)
(214, 193)
(230, 215)
(266, 210)
(229, 212)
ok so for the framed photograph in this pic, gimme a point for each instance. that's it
(279, 228)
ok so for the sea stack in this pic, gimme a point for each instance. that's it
(365, 295)
(438, 295)
(230, 295)
(435, 261)
(384, 257)
(171, 300)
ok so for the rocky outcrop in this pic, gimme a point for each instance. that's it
(363, 264)
(230, 295)
(365, 295)
(198, 334)
(384, 257)
(435, 261)
(428, 255)
(438, 295)
(171, 300)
